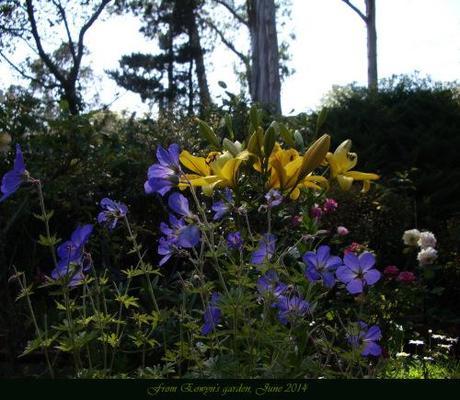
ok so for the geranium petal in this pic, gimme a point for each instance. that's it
(371, 276)
(333, 262)
(351, 260)
(312, 275)
(323, 253)
(329, 279)
(374, 333)
(355, 286)
(345, 274)
(367, 261)
(189, 236)
(179, 204)
(371, 348)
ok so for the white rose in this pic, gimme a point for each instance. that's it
(427, 239)
(411, 237)
(427, 256)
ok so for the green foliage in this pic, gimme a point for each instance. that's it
(410, 124)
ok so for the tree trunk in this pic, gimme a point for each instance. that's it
(205, 98)
(171, 93)
(265, 79)
(372, 78)
(71, 97)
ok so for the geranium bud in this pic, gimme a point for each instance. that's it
(342, 231)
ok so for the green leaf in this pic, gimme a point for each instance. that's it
(208, 133)
(230, 146)
(321, 119)
(37, 343)
(48, 242)
(46, 217)
(270, 138)
(128, 301)
(299, 140)
(255, 118)
(287, 136)
(25, 292)
(229, 126)
(111, 339)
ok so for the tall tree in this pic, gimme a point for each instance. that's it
(265, 78)
(265, 62)
(369, 19)
(176, 73)
(31, 22)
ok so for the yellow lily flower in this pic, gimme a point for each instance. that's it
(342, 161)
(217, 170)
(290, 172)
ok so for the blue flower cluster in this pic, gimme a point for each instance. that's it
(178, 234)
(356, 272)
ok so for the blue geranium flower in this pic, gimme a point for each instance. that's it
(222, 207)
(358, 272)
(13, 179)
(365, 339)
(321, 265)
(234, 241)
(266, 249)
(164, 175)
(72, 263)
(270, 285)
(212, 315)
(113, 211)
(291, 308)
(177, 235)
(274, 198)
(180, 205)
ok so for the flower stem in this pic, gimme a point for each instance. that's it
(45, 219)
(38, 332)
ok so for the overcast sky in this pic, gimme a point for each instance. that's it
(329, 49)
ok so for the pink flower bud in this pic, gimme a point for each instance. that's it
(406, 277)
(330, 205)
(296, 220)
(391, 270)
(316, 211)
(342, 231)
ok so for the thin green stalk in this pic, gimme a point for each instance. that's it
(210, 240)
(120, 313)
(141, 262)
(45, 220)
(85, 293)
(34, 320)
(76, 354)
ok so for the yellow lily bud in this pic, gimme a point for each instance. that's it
(314, 156)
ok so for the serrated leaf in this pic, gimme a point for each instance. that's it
(47, 242)
(25, 292)
(45, 217)
(127, 301)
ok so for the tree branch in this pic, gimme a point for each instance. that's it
(232, 11)
(81, 36)
(227, 43)
(23, 74)
(356, 10)
(67, 29)
(46, 59)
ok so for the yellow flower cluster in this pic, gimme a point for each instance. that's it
(286, 169)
